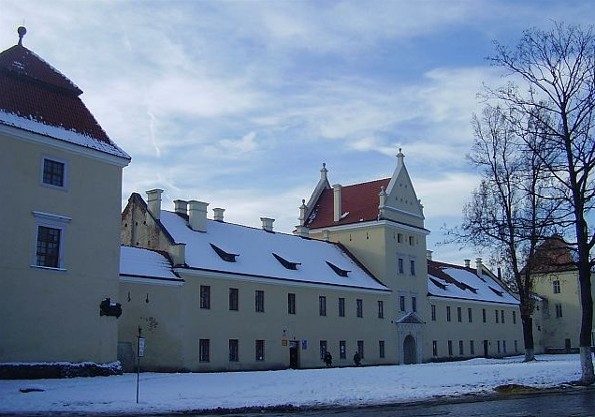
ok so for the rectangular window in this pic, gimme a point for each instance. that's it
(497, 317)
(414, 304)
(434, 348)
(341, 307)
(290, 303)
(401, 266)
(504, 346)
(459, 314)
(360, 348)
(399, 237)
(502, 316)
(558, 311)
(203, 350)
(433, 308)
(516, 346)
(48, 247)
(380, 309)
(514, 317)
(259, 301)
(54, 173)
(483, 314)
(447, 313)
(461, 351)
(556, 287)
(342, 349)
(470, 314)
(323, 346)
(472, 347)
(359, 307)
(411, 240)
(402, 302)
(412, 266)
(234, 350)
(322, 305)
(205, 297)
(259, 348)
(381, 348)
(498, 343)
(450, 348)
(234, 299)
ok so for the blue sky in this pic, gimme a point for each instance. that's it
(238, 103)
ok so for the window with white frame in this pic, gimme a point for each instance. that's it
(556, 287)
(54, 172)
(50, 235)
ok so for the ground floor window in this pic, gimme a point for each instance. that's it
(234, 351)
(323, 347)
(342, 349)
(434, 348)
(472, 347)
(450, 348)
(203, 350)
(461, 351)
(259, 350)
(381, 348)
(360, 348)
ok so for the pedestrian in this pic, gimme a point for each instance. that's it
(357, 359)
(328, 359)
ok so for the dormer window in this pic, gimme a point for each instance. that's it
(226, 256)
(339, 271)
(287, 264)
(438, 284)
(500, 293)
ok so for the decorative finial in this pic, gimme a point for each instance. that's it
(22, 31)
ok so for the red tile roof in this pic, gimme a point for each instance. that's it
(553, 255)
(33, 90)
(359, 203)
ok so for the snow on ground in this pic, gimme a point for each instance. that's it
(160, 392)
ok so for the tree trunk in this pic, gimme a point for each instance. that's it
(527, 322)
(586, 365)
(586, 355)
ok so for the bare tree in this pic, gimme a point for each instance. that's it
(557, 71)
(510, 212)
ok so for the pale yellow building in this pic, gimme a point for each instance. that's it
(61, 178)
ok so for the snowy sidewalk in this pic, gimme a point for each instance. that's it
(162, 393)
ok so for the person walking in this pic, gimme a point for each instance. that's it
(328, 359)
(357, 359)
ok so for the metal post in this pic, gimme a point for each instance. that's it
(139, 354)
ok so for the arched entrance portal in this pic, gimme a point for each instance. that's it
(409, 350)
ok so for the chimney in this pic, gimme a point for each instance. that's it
(479, 266)
(218, 214)
(302, 231)
(267, 223)
(197, 215)
(337, 202)
(154, 202)
(177, 252)
(181, 207)
(429, 255)
(467, 263)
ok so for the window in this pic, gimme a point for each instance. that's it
(360, 348)
(203, 350)
(322, 305)
(499, 350)
(399, 237)
(472, 347)
(434, 348)
(53, 173)
(483, 313)
(234, 299)
(259, 348)
(470, 314)
(412, 266)
(402, 302)
(359, 307)
(411, 240)
(433, 308)
(259, 301)
(447, 313)
(497, 317)
(380, 309)
(205, 297)
(450, 348)
(49, 240)
(234, 351)
(502, 316)
(558, 311)
(323, 346)
(414, 304)
(514, 317)
(401, 266)
(461, 351)
(341, 307)
(504, 346)
(556, 286)
(381, 348)
(290, 303)
(342, 349)
(516, 346)
(459, 314)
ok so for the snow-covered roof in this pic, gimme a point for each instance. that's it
(145, 263)
(259, 253)
(454, 281)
